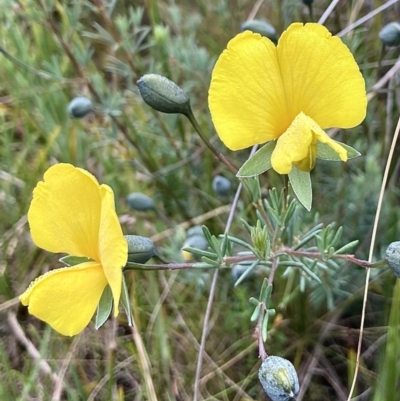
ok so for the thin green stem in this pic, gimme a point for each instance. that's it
(219, 155)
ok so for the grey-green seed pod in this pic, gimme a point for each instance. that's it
(221, 185)
(80, 107)
(194, 241)
(393, 257)
(163, 95)
(264, 28)
(140, 202)
(140, 249)
(279, 379)
(238, 270)
(390, 34)
(195, 230)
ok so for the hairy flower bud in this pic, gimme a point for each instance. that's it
(163, 95)
(140, 249)
(390, 34)
(393, 257)
(140, 202)
(221, 185)
(79, 107)
(264, 28)
(279, 379)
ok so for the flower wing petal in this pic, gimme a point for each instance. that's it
(321, 77)
(66, 298)
(323, 137)
(246, 97)
(64, 215)
(113, 247)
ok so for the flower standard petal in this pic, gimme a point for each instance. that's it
(113, 247)
(321, 77)
(64, 215)
(246, 98)
(66, 298)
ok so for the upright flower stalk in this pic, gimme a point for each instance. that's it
(71, 213)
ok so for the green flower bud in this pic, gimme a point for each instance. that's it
(390, 34)
(221, 185)
(260, 239)
(393, 257)
(140, 202)
(163, 95)
(264, 28)
(79, 107)
(140, 249)
(279, 379)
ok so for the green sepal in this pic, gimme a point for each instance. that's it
(259, 162)
(104, 307)
(126, 301)
(325, 152)
(301, 185)
(74, 260)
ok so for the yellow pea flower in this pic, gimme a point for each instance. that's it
(71, 213)
(289, 93)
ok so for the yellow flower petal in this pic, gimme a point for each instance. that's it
(246, 97)
(321, 77)
(64, 215)
(113, 247)
(66, 298)
(297, 146)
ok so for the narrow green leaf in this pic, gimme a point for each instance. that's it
(203, 265)
(310, 273)
(325, 152)
(259, 162)
(210, 261)
(264, 327)
(254, 301)
(104, 308)
(200, 252)
(337, 236)
(347, 247)
(246, 272)
(301, 185)
(256, 313)
(240, 242)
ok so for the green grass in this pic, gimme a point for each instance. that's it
(79, 48)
